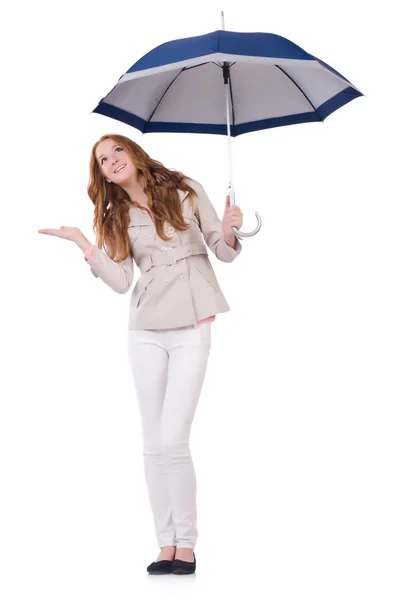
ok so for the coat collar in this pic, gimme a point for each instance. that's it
(141, 217)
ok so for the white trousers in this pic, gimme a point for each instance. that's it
(168, 367)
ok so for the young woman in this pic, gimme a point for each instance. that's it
(158, 218)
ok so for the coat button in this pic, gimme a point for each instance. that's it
(183, 277)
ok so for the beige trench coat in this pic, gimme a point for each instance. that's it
(177, 286)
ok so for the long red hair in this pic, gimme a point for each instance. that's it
(111, 202)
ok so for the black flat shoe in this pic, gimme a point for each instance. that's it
(183, 567)
(161, 567)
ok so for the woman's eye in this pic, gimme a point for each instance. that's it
(118, 148)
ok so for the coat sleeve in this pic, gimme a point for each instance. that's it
(211, 226)
(118, 276)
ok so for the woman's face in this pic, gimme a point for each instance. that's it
(115, 162)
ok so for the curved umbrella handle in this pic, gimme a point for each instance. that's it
(236, 231)
(240, 234)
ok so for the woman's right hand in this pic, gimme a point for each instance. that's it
(67, 233)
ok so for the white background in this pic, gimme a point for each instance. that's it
(294, 436)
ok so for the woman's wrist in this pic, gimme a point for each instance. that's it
(230, 240)
(82, 242)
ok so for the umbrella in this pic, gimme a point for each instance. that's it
(267, 80)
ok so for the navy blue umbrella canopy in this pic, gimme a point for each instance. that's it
(226, 83)
(179, 86)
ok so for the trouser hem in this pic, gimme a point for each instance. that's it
(171, 543)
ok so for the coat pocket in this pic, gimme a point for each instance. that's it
(209, 277)
(143, 289)
(147, 235)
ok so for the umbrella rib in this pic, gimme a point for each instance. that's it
(173, 81)
(158, 103)
(195, 66)
(301, 91)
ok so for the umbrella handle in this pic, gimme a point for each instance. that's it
(236, 231)
(240, 234)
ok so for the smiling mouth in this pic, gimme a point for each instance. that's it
(119, 168)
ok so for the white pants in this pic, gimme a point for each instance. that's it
(168, 367)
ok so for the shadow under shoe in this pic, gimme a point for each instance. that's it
(183, 567)
(161, 567)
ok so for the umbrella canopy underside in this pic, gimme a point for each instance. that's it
(189, 95)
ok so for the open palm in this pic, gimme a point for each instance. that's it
(67, 233)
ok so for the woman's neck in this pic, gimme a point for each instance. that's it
(135, 190)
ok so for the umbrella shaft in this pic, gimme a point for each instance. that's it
(229, 142)
(226, 74)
